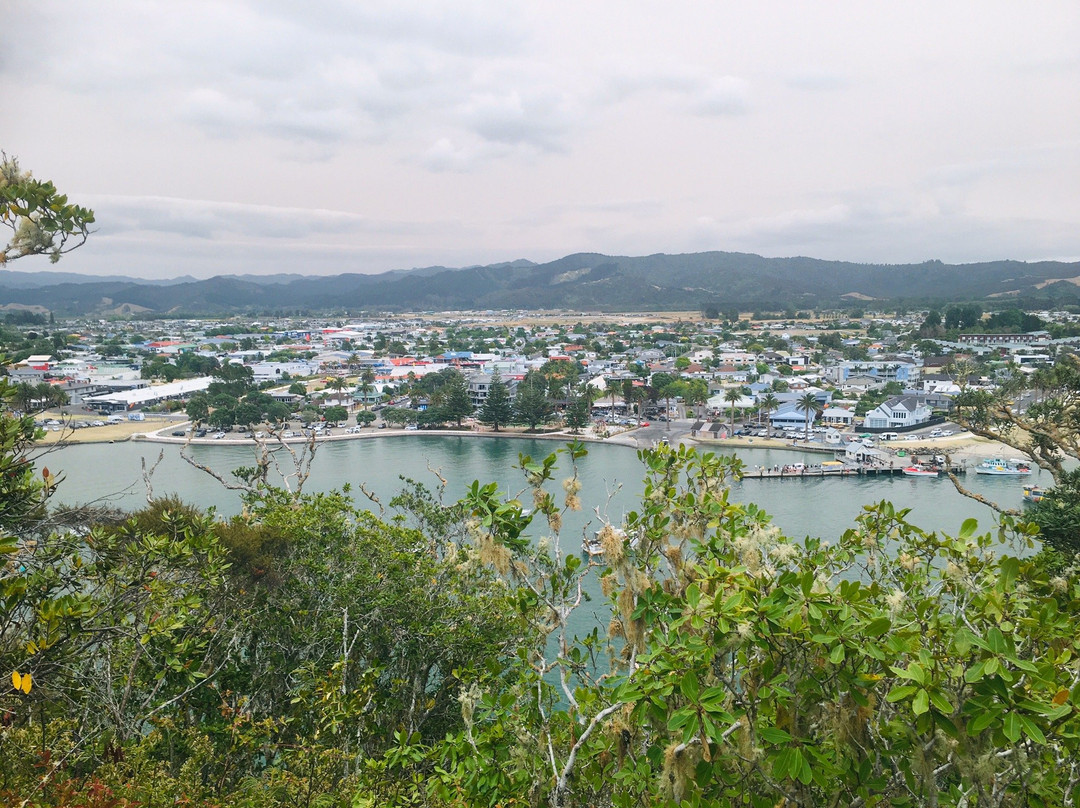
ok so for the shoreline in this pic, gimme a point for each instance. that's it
(136, 431)
(963, 447)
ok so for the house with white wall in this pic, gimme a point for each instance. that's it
(898, 412)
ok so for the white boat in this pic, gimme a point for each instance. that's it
(919, 471)
(998, 465)
(1033, 493)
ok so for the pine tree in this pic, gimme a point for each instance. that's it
(578, 410)
(531, 406)
(498, 408)
(456, 403)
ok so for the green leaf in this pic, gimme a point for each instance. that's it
(875, 628)
(693, 596)
(914, 672)
(1032, 730)
(836, 656)
(1011, 727)
(807, 773)
(774, 736)
(967, 530)
(921, 703)
(1010, 568)
(975, 672)
(689, 686)
(996, 640)
(940, 702)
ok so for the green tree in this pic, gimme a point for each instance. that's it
(41, 220)
(336, 413)
(578, 411)
(247, 414)
(198, 409)
(809, 405)
(767, 405)
(222, 417)
(398, 416)
(336, 383)
(455, 403)
(733, 395)
(714, 697)
(498, 408)
(696, 394)
(367, 383)
(531, 404)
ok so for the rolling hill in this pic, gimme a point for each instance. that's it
(582, 281)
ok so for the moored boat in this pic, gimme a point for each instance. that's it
(920, 471)
(998, 465)
(1033, 493)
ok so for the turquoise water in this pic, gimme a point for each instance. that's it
(611, 476)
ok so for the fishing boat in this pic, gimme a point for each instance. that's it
(1033, 493)
(1000, 466)
(920, 471)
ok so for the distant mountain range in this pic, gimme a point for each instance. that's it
(585, 281)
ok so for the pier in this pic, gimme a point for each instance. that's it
(798, 470)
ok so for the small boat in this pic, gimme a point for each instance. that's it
(1000, 466)
(1033, 493)
(919, 471)
(593, 547)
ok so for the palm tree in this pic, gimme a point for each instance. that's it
(732, 396)
(25, 396)
(367, 379)
(697, 393)
(768, 403)
(811, 406)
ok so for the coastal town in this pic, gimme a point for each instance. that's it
(872, 391)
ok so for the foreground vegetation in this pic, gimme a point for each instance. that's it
(311, 653)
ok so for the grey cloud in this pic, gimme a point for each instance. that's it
(538, 120)
(684, 88)
(209, 220)
(885, 232)
(817, 80)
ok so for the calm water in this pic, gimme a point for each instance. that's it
(611, 477)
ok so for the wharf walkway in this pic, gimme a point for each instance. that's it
(829, 470)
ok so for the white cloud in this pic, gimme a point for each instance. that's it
(482, 130)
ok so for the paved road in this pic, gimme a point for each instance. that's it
(647, 437)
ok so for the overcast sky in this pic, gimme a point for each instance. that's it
(329, 136)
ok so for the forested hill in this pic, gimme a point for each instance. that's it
(582, 281)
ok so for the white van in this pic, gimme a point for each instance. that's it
(936, 433)
(889, 435)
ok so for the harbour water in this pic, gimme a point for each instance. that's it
(611, 476)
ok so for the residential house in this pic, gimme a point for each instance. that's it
(899, 412)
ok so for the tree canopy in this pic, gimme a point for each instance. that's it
(41, 220)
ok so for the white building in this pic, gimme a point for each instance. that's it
(898, 412)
